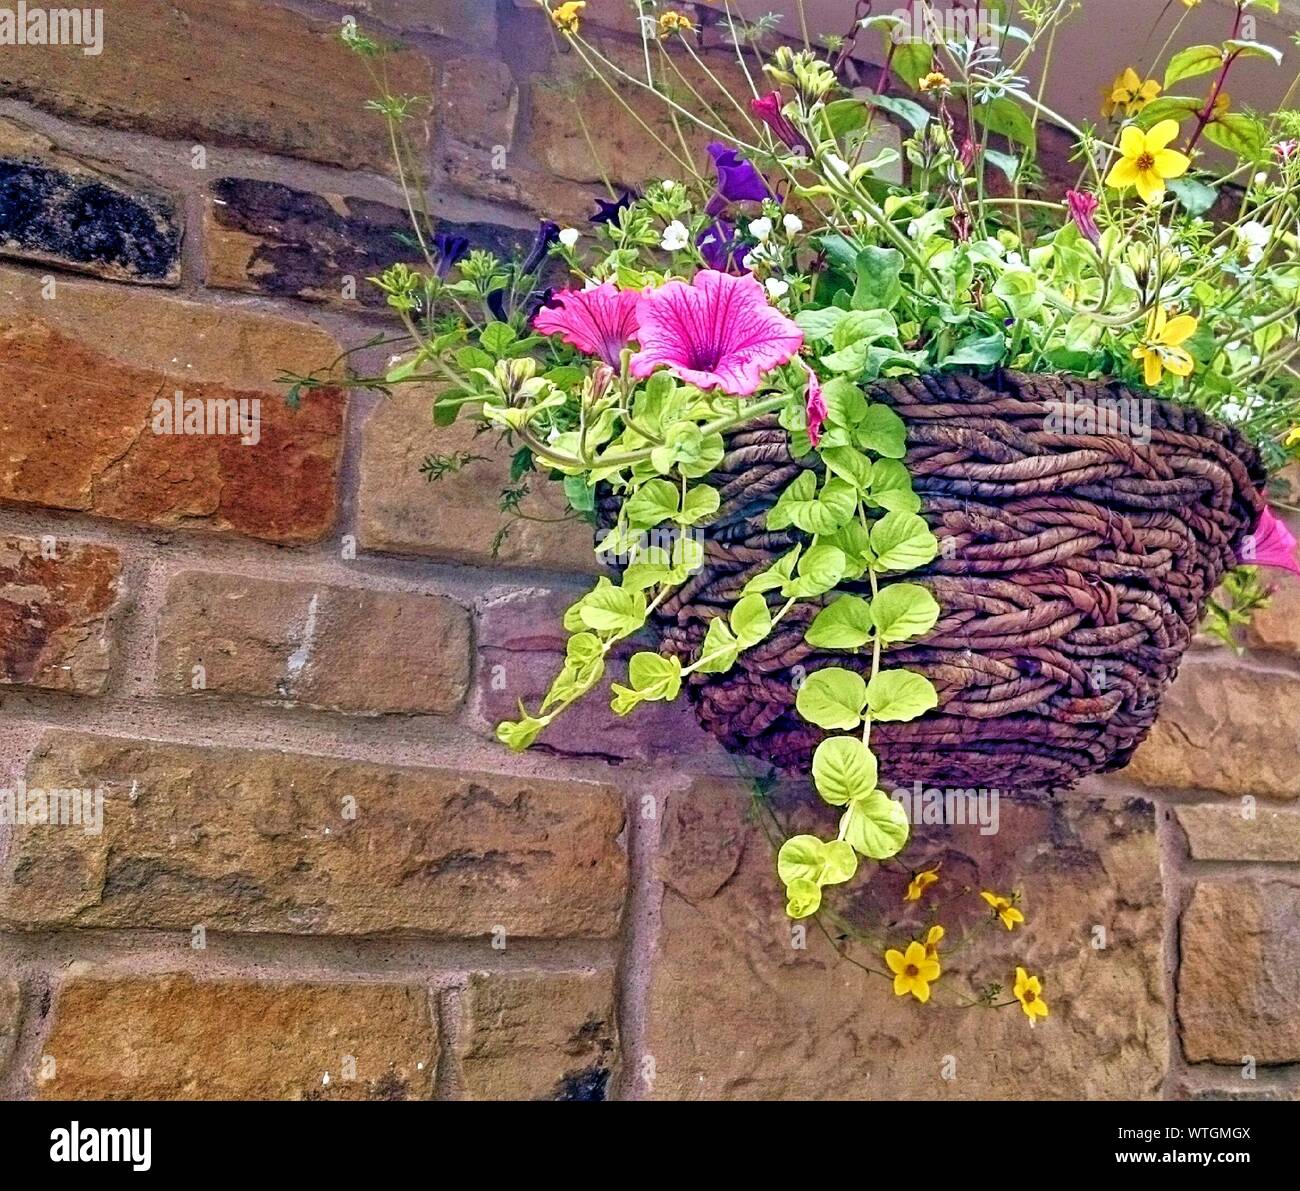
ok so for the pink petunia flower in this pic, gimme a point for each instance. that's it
(719, 332)
(597, 321)
(1271, 545)
(815, 406)
(1083, 209)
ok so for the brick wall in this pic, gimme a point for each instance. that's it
(318, 876)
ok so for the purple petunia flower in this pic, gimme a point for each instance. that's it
(738, 180)
(451, 250)
(609, 210)
(721, 247)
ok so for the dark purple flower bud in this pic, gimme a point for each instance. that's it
(768, 109)
(738, 180)
(721, 247)
(547, 234)
(451, 250)
(496, 302)
(609, 210)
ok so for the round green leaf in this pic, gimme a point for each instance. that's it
(875, 825)
(843, 768)
(904, 610)
(900, 695)
(902, 542)
(800, 859)
(803, 898)
(844, 624)
(832, 698)
(751, 620)
(839, 863)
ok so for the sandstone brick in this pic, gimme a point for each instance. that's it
(521, 641)
(267, 77)
(1224, 833)
(56, 600)
(458, 517)
(735, 1010)
(1226, 730)
(79, 376)
(298, 642)
(263, 237)
(537, 1036)
(1239, 980)
(172, 1037)
(11, 1013)
(1277, 627)
(466, 20)
(277, 842)
(58, 210)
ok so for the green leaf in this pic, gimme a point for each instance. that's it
(1008, 163)
(824, 513)
(497, 338)
(845, 404)
(905, 109)
(1194, 196)
(688, 449)
(1168, 107)
(850, 465)
(720, 649)
(900, 695)
(1005, 116)
(838, 863)
(1254, 49)
(902, 542)
(844, 624)
(819, 324)
(803, 898)
(517, 736)
(777, 575)
(879, 279)
(807, 858)
(653, 502)
(843, 768)
(702, 502)
(654, 676)
(613, 610)
(883, 431)
(903, 610)
(863, 327)
(891, 487)
(1188, 63)
(580, 497)
(911, 61)
(751, 620)
(1018, 288)
(832, 698)
(845, 116)
(979, 351)
(1239, 133)
(875, 825)
(819, 570)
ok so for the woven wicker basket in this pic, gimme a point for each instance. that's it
(1075, 574)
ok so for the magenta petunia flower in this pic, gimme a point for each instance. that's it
(597, 321)
(1271, 545)
(815, 407)
(768, 109)
(1083, 207)
(716, 333)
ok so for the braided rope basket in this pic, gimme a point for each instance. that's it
(1073, 574)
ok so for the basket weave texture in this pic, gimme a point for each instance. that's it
(1073, 573)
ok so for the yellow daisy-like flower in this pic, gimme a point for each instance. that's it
(1162, 347)
(568, 17)
(1003, 908)
(933, 937)
(1029, 992)
(1293, 437)
(674, 22)
(913, 971)
(1147, 162)
(1129, 92)
(934, 81)
(920, 883)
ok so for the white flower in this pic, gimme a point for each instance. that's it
(675, 237)
(1254, 237)
(776, 288)
(793, 225)
(569, 237)
(1261, 178)
(760, 229)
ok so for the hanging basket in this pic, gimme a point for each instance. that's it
(1073, 573)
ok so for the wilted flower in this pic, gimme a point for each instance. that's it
(936, 80)
(721, 247)
(768, 108)
(1003, 908)
(598, 321)
(719, 332)
(920, 883)
(674, 22)
(451, 250)
(815, 407)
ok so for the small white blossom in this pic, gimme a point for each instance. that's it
(1261, 178)
(760, 229)
(1254, 237)
(793, 225)
(776, 288)
(569, 237)
(675, 237)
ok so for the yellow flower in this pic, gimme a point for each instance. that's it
(934, 81)
(1029, 992)
(1190, 3)
(1003, 908)
(913, 971)
(920, 883)
(1293, 437)
(1146, 161)
(933, 937)
(568, 16)
(1162, 348)
(674, 22)
(1222, 102)
(1129, 92)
